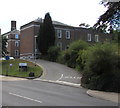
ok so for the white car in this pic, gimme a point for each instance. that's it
(2, 58)
(10, 58)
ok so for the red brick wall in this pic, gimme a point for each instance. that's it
(27, 41)
(27, 38)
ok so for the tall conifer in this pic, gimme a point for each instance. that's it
(46, 36)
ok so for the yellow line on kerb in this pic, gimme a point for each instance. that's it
(43, 68)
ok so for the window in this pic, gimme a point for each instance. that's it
(16, 53)
(59, 34)
(67, 34)
(59, 44)
(89, 37)
(7, 37)
(16, 36)
(6, 44)
(16, 43)
(96, 38)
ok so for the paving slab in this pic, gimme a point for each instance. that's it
(111, 96)
(7, 78)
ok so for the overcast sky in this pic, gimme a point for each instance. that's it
(71, 12)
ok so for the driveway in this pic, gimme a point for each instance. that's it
(58, 72)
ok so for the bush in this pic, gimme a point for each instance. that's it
(71, 54)
(53, 53)
(81, 60)
(63, 57)
(102, 71)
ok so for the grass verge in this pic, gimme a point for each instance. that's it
(16, 72)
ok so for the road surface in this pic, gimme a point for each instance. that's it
(37, 93)
(58, 72)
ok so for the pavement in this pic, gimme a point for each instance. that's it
(7, 78)
(111, 96)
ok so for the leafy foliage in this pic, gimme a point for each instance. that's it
(110, 19)
(116, 36)
(84, 25)
(53, 53)
(71, 54)
(102, 68)
(4, 49)
(46, 36)
(81, 60)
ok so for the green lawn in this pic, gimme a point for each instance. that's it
(15, 71)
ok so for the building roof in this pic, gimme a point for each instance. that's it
(10, 32)
(6, 33)
(40, 20)
(54, 22)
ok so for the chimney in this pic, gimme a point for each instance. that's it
(13, 25)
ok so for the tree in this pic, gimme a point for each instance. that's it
(4, 48)
(72, 53)
(53, 53)
(116, 36)
(0, 46)
(46, 36)
(111, 18)
(84, 25)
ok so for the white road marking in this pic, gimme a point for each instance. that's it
(69, 83)
(70, 77)
(67, 77)
(79, 77)
(60, 77)
(25, 97)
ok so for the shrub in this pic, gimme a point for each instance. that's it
(71, 54)
(102, 71)
(53, 53)
(81, 60)
(63, 57)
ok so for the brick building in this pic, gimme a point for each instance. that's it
(13, 41)
(65, 35)
(23, 43)
(27, 39)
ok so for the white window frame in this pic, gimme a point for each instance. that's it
(17, 54)
(89, 37)
(6, 44)
(59, 34)
(59, 44)
(17, 43)
(67, 34)
(96, 38)
(7, 37)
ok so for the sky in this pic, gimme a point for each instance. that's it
(71, 12)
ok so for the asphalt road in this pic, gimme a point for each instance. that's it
(37, 93)
(58, 72)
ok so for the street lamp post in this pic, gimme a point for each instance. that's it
(35, 49)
